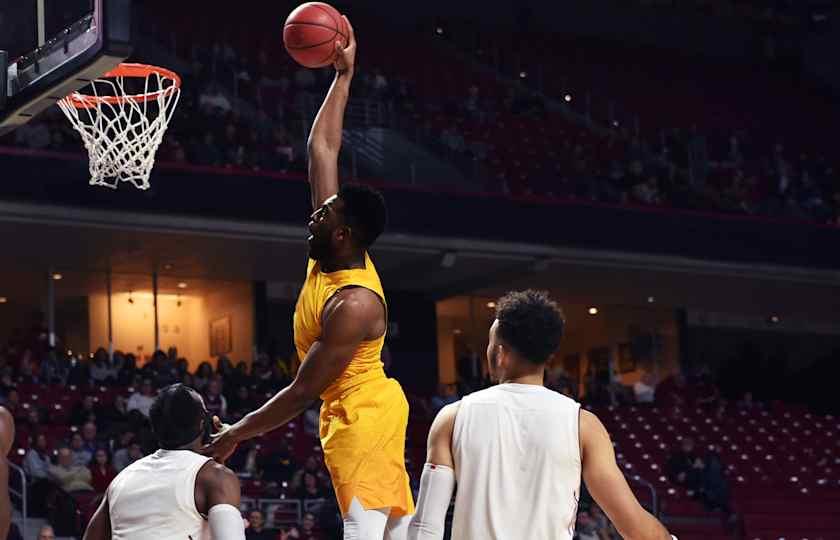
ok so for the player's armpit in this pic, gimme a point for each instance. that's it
(99, 527)
(607, 485)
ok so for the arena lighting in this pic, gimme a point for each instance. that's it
(3, 300)
(615, 123)
(568, 98)
(182, 285)
(457, 332)
(593, 310)
(57, 276)
(651, 299)
(491, 305)
(773, 319)
(448, 259)
(439, 31)
(523, 74)
(167, 267)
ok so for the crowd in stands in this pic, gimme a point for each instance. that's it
(247, 110)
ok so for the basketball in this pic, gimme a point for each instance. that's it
(310, 33)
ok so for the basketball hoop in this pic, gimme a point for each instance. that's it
(122, 131)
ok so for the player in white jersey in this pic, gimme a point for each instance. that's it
(175, 493)
(517, 450)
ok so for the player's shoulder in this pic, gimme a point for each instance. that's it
(213, 473)
(354, 303)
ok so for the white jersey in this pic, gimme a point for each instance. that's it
(516, 449)
(154, 498)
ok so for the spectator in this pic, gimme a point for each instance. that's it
(90, 443)
(132, 453)
(241, 403)
(202, 376)
(142, 401)
(35, 417)
(101, 470)
(12, 403)
(447, 393)
(256, 530)
(101, 370)
(673, 392)
(213, 100)
(37, 462)
(79, 372)
(647, 192)
(33, 135)
(54, 370)
(115, 419)
(214, 400)
(713, 484)
(307, 528)
(126, 374)
(121, 456)
(70, 477)
(81, 455)
(645, 388)
(684, 466)
(278, 467)
(84, 411)
(310, 489)
(46, 533)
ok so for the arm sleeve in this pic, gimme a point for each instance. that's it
(226, 523)
(436, 486)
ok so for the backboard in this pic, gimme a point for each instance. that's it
(51, 48)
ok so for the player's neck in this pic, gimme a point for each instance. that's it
(350, 262)
(536, 379)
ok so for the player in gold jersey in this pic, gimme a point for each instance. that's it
(339, 323)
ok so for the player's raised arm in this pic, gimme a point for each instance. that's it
(607, 485)
(437, 481)
(325, 139)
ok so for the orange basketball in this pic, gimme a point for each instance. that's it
(310, 34)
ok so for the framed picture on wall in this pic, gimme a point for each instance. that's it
(220, 336)
(626, 358)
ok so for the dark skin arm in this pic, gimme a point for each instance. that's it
(99, 527)
(216, 484)
(7, 437)
(352, 316)
(325, 139)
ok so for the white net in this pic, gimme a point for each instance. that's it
(122, 132)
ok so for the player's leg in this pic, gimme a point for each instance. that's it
(397, 527)
(361, 524)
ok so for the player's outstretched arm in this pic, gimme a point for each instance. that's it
(348, 319)
(325, 139)
(99, 527)
(437, 481)
(607, 485)
(218, 497)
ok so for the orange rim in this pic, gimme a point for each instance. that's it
(81, 101)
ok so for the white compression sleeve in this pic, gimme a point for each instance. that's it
(226, 523)
(436, 486)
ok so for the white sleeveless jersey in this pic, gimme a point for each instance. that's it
(154, 498)
(517, 464)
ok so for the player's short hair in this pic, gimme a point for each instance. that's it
(364, 212)
(175, 416)
(530, 323)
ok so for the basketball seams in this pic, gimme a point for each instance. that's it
(338, 28)
(338, 23)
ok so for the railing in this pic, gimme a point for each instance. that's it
(21, 494)
(653, 497)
